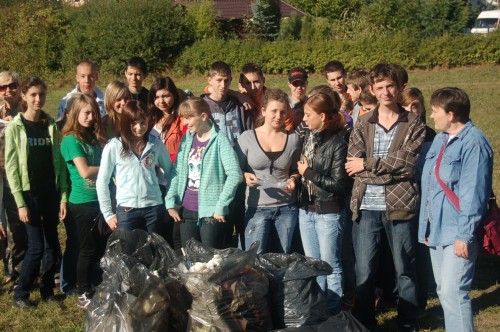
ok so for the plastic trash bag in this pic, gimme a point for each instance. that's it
(295, 298)
(343, 322)
(231, 297)
(136, 293)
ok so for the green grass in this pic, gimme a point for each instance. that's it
(483, 86)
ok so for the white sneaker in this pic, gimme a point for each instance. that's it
(83, 300)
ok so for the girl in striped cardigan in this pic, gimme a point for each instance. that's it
(205, 177)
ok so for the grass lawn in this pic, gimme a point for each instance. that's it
(483, 86)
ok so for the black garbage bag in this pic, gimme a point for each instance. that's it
(295, 298)
(343, 322)
(230, 296)
(136, 293)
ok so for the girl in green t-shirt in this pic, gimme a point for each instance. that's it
(81, 148)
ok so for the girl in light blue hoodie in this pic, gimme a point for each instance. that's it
(133, 159)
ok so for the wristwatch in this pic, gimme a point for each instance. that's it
(364, 164)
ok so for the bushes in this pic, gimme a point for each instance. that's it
(47, 38)
(31, 41)
(363, 52)
(110, 31)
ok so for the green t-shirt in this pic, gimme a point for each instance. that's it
(82, 191)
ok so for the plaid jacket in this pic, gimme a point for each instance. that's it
(396, 172)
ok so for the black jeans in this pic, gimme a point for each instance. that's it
(169, 229)
(91, 245)
(211, 232)
(43, 243)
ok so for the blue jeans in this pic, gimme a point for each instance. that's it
(67, 274)
(402, 236)
(454, 276)
(146, 218)
(261, 222)
(322, 239)
(43, 244)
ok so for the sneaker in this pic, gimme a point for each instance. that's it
(84, 299)
(23, 304)
(57, 283)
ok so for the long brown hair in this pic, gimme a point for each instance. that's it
(92, 135)
(323, 103)
(163, 83)
(134, 110)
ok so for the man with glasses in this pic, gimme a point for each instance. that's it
(297, 82)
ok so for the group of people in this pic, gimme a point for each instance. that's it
(335, 173)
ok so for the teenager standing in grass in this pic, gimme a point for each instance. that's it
(81, 147)
(133, 159)
(324, 187)
(168, 126)
(268, 157)
(37, 176)
(383, 150)
(205, 177)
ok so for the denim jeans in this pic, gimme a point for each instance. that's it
(260, 223)
(454, 276)
(348, 259)
(146, 218)
(43, 244)
(210, 232)
(401, 235)
(322, 239)
(67, 274)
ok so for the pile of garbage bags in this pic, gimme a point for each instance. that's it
(148, 287)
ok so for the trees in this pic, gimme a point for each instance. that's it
(202, 17)
(32, 36)
(265, 22)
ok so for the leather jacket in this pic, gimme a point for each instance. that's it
(328, 174)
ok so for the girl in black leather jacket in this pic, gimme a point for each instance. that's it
(324, 187)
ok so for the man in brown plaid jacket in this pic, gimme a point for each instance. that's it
(383, 151)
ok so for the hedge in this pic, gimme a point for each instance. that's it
(280, 56)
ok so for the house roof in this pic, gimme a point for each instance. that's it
(238, 9)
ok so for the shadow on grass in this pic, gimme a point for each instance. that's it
(487, 272)
(487, 275)
(486, 300)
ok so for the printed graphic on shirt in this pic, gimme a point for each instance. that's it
(39, 141)
(230, 123)
(149, 159)
(194, 167)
